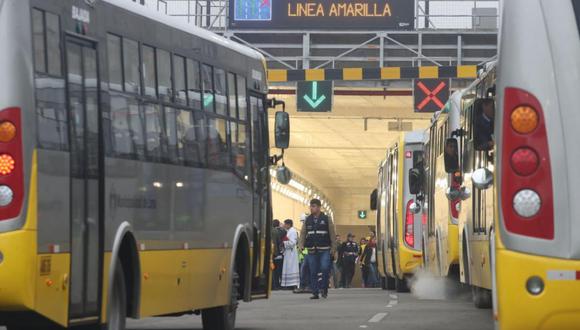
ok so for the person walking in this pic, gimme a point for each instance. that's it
(350, 250)
(291, 270)
(364, 269)
(369, 261)
(278, 234)
(337, 263)
(317, 236)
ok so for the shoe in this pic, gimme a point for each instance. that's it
(325, 293)
(314, 296)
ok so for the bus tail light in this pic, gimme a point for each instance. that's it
(526, 187)
(11, 164)
(410, 225)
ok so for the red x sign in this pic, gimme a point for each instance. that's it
(431, 95)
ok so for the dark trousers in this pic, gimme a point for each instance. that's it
(304, 274)
(365, 275)
(319, 262)
(348, 267)
(277, 276)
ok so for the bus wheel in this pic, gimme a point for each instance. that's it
(401, 285)
(390, 283)
(223, 317)
(481, 297)
(117, 312)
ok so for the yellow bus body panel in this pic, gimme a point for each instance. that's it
(452, 244)
(175, 281)
(17, 270)
(409, 260)
(52, 287)
(557, 307)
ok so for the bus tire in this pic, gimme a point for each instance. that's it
(117, 306)
(481, 297)
(401, 285)
(390, 283)
(223, 317)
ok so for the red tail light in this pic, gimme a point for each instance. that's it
(410, 226)
(526, 182)
(455, 205)
(11, 169)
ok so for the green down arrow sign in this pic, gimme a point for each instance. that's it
(314, 101)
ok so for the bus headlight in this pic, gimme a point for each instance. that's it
(6, 195)
(535, 285)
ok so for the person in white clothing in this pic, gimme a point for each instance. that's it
(291, 269)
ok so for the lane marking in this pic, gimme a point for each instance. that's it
(363, 326)
(393, 296)
(389, 306)
(393, 302)
(378, 317)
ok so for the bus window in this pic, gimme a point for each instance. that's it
(220, 91)
(240, 148)
(179, 89)
(127, 127)
(242, 98)
(114, 58)
(207, 87)
(131, 65)
(153, 131)
(217, 142)
(38, 40)
(190, 138)
(164, 74)
(232, 102)
(53, 44)
(193, 84)
(148, 68)
(171, 134)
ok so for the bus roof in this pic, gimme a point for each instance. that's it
(194, 30)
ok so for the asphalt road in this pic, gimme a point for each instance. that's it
(348, 310)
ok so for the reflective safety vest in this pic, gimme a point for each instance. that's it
(317, 233)
(350, 250)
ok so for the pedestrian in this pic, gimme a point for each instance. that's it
(337, 262)
(317, 236)
(278, 253)
(364, 269)
(291, 270)
(350, 251)
(369, 260)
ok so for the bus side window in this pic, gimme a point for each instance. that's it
(131, 65)
(220, 91)
(242, 98)
(126, 127)
(217, 143)
(51, 111)
(232, 100)
(193, 84)
(164, 75)
(148, 69)
(179, 78)
(207, 88)
(154, 132)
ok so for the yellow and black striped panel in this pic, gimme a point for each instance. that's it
(388, 73)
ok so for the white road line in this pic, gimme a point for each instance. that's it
(378, 317)
(393, 302)
(393, 296)
(389, 306)
(363, 326)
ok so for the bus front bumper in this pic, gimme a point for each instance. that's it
(557, 306)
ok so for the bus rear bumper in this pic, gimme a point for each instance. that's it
(17, 270)
(409, 260)
(556, 307)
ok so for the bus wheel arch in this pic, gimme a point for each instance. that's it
(125, 254)
(240, 259)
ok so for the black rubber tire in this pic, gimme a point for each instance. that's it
(117, 313)
(481, 297)
(384, 283)
(223, 317)
(390, 283)
(401, 285)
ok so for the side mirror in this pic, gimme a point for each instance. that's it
(283, 174)
(282, 130)
(415, 208)
(482, 178)
(415, 181)
(451, 155)
(374, 199)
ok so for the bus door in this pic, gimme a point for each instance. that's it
(260, 168)
(83, 86)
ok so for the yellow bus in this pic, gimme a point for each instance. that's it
(537, 245)
(441, 209)
(134, 162)
(463, 156)
(399, 221)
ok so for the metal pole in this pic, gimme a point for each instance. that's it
(382, 51)
(426, 14)
(306, 50)
(459, 49)
(208, 13)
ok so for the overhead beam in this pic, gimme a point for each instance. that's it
(386, 73)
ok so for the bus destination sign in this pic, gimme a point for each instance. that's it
(322, 14)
